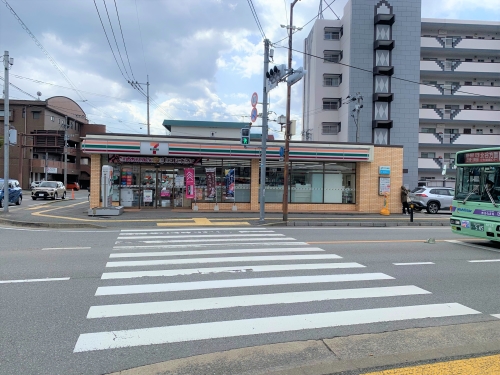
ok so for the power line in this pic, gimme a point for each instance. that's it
(42, 48)
(109, 43)
(123, 38)
(256, 18)
(114, 37)
(24, 92)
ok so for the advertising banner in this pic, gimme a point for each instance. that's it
(229, 179)
(189, 178)
(211, 188)
(148, 196)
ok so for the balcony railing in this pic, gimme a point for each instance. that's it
(461, 43)
(459, 114)
(479, 140)
(40, 163)
(460, 90)
(460, 66)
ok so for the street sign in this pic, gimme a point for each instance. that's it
(253, 115)
(255, 99)
(282, 151)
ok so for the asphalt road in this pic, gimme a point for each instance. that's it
(367, 279)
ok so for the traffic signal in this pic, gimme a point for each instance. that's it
(296, 76)
(245, 136)
(274, 75)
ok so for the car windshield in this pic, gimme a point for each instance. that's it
(48, 184)
(478, 184)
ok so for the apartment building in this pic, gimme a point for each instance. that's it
(40, 149)
(373, 51)
(431, 85)
(460, 91)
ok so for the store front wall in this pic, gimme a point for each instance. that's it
(314, 185)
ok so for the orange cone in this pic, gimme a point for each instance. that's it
(72, 194)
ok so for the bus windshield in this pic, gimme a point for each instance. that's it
(478, 184)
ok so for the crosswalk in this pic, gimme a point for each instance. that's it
(155, 274)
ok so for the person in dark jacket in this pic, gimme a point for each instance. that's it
(404, 200)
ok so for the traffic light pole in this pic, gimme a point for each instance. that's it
(6, 140)
(263, 157)
(287, 125)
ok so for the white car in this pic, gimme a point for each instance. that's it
(35, 184)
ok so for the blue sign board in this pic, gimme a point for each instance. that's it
(384, 170)
(282, 151)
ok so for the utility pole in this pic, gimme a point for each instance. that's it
(6, 139)
(263, 157)
(135, 86)
(66, 151)
(287, 125)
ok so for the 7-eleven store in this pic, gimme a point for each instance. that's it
(149, 172)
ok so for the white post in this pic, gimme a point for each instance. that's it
(6, 140)
(234, 191)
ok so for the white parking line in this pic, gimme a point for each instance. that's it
(66, 248)
(412, 263)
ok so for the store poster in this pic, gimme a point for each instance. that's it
(229, 179)
(148, 196)
(211, 189)
(189, 179)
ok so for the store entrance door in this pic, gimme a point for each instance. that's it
(157, 187)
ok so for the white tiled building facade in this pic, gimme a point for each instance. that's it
(376, 49)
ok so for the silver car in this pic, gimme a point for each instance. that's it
(432, 199)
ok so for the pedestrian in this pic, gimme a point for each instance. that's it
(405, 197)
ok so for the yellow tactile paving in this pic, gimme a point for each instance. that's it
(489, 365)
(203, 222)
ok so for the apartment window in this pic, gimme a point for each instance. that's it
(467, 131)
(449, 155)
(330, 128)
(332, 80)
(467, 83)
(430, 59)
(433, 83)
(492, 107)
(332, 33)
(429, 106)
(491, 131)
(467, 106)
(428, 155)
(480, 60)
(52, 118)
(451, 106)
(480, 83)
(480, 37)
(479, 107)
(331, 104)
(427, 130)
(479, 131)
(469, 37)
(451, 131)
(36, 115)
(492, 83)
(332, 56)
(469, 60)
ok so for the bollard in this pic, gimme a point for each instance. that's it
(72, 194)
(411, 213)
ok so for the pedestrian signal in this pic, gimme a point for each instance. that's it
(245, 136)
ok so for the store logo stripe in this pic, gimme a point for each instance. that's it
(213, 252)
(263, 258)
(233, 328)
(230, 269)
(164, 307)
(237, 283)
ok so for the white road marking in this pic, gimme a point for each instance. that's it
(204, 240)
(263, 258)
(237, 283)
(189, 230)
(205, 331)
(496, 315)
(484, 261)
(212, 252)
(33, 280)
(472, 245)
(256, 231)
(412, 263)
(232, 269)
(203, 245)
(202, 236)
(130, 309)
(66, 248)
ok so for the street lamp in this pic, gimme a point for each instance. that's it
(287, 122)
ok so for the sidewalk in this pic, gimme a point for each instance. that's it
(74, 214)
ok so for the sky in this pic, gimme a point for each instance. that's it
(203, 58)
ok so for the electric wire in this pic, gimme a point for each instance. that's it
(123, 39)
(109, 43)
(24, 92)
(256, 18)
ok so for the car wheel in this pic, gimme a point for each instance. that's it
(55, 197)
(432, 208)
(19, 200)
(34, 198)
(63, 196)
